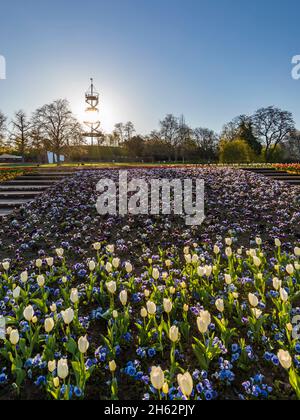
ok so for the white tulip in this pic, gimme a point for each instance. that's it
(168, 305)
(92, 265)
(228, 241)
(277, 283)
(290, 269)
(297, 251)
(50, 261)
(49, 325)
(109, 267)
(74, 297)
(116, 263)
(123, 297)
(59, 252)
(186, 384)
(155, 274)
(174, 334)
(285, 359)
(157, 378)
(62, 369)
(52, 366)
(97, 246)
(216, 250)
(6, 265)
(41, 281)
(24, 277)
(110, 249)
(253, 300)
(83, 345)
(128, 268)
(28, 313)
(228, 279)
(284, 295)
(111, 287)
(220, 305)
(278, 243)
(16, 292)
(68, 316)
(14, 337)
(151, 308)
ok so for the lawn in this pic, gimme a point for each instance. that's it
(144, 307)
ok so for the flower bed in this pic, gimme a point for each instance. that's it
(192, 324)
(289, 167)
(8, 174)
(100, 322)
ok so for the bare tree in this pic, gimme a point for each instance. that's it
(206, 141)
(169, 129)
(2, 128)
(20, 133)
(58, 126)
(129, 130)
(119, 133)
(273, 126)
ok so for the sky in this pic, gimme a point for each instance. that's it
(210, 60)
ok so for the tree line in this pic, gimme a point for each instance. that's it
(268, 135)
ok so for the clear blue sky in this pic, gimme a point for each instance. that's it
(208, 59)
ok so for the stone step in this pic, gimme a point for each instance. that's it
(19, 194)
(31, 188)
(11, 203)
(40, 178)
(60, 174)
(286, 177)
(5, 212)
(30, 182)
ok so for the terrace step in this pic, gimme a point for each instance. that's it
(5, 212)
(31, 182)
(7, 203)
(21, 188)
(19, 194)
(40, 178)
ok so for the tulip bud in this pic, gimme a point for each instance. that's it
(277, 243)
(155, 274)
(110, 249)
(49, 325)
(258, 241)
(228, 252)
(116, 263)
(253, 300)
(123, 297)
(257, 313)
(112, 366)
(62, 369)
(228, 279)
(128, 268)
(168, 306)
(111, 287)
(115, 314)
(108, 267)
(34, 320)
(151, 307)
(83, 345)
(68, 316)
(157, 378)
(186, 384)
(74, 296)
(290, 269)
(52, 366)
(41, 281)
(144, 313)
(16, 292)
(285, 359)
(186, 308)
(216, 250)
(38, 263)
(284, 295)
(165, 389)
(56, 382)
(92, 265)
(220, 305)
(50, 261)
(256, 261)
(146, 293)
(14, 337)
(24, 277)
(174, 334)
(172, 290)
(6, 265)
(28, 313)
(53, 308)
(277, 283)
(59, 252)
